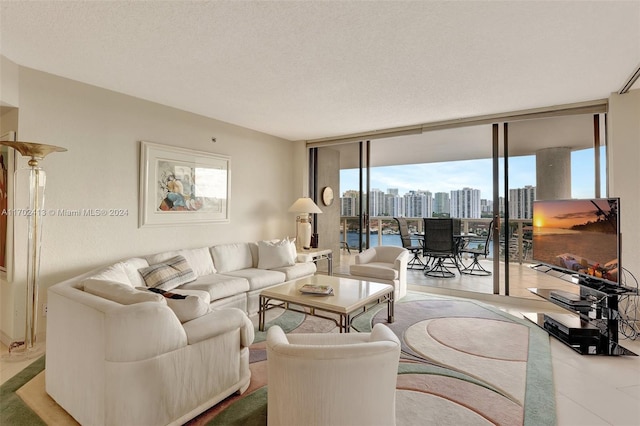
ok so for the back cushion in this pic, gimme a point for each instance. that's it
(115, 273)
(231, 257)
(120, 293)
(131, 267)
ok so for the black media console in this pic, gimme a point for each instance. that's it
(590, 326)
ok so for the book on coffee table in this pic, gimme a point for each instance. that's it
(324, 290)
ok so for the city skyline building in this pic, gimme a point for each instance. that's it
(377, 203)
(521, 202)
(465, 203)
(441, 203)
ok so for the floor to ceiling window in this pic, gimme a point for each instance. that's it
(450, 172)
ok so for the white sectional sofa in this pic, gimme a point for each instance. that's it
(120, 354)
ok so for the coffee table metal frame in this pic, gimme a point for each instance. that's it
(289, 297)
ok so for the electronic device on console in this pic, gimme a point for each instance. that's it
(579, 241)
(580, 237)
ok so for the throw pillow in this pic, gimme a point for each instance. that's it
(169, 274)
(120, 293)
(292, 247)
(275, 254)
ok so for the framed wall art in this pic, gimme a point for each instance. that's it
(7, 165)
(182, 186)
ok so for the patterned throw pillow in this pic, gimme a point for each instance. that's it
(169, 274)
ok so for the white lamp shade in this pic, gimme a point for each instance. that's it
(304, 205)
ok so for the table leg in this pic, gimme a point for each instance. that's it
(390, 308)
(261, 312)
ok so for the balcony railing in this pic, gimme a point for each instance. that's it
(383, 230)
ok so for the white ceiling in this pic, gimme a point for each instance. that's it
(312, 69)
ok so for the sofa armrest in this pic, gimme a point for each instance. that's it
(366, 256)
(401, 261)
(142, 331)
(219, 322)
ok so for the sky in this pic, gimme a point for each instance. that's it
(476, 174)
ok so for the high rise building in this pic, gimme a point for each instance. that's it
(441, 203)
(486, 208)
(394, 205)
(465, 203)
(376, 203)
(418, 204)
(521, 202)
(349, 205)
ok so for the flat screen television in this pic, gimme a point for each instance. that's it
(579, 236)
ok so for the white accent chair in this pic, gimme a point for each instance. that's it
(385, 264)
(332, 379)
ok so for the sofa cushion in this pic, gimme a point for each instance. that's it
(275, 254)
(379, 270)
(191, 307)
(131, 267)
(168, 274)
(118, 292)
(231, 257)
(298, 270)
(186, 304)
(115, 273)
(217, 286)
(199, 259)
(259, 278)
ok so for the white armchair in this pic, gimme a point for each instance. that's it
(332, 379)
(385, 264)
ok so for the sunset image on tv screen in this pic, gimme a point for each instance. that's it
(578, 235)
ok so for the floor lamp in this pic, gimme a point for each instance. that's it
(306, 206)
(33, 214)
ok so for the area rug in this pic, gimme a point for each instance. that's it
(462, 363)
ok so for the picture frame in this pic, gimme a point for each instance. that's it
(7, 169)
(180, 186)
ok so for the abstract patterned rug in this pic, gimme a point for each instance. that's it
(462, 363)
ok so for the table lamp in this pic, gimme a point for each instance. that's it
(306, 206)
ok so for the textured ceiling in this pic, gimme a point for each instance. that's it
(311, 69)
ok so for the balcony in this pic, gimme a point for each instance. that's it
(384, 231)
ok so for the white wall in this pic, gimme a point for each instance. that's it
(624, 173)
(101, 130)
(8, 82)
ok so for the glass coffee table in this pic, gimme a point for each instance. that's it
(350, 299)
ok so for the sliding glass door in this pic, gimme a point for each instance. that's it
(482, 174)
(341, 169)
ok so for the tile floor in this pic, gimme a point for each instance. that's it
(590, 390)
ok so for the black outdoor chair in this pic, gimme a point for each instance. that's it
(407, 242)
(477, 247)
(440, 246)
